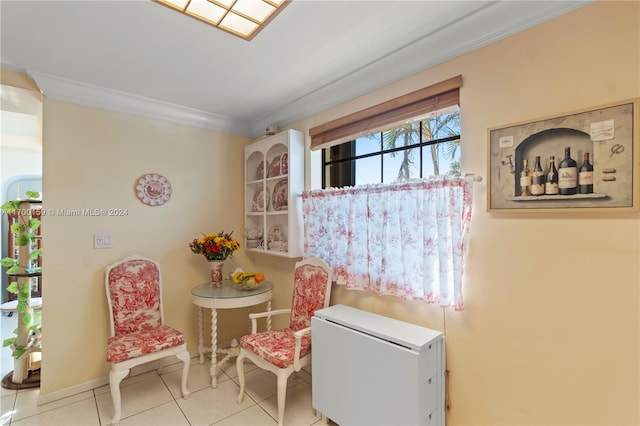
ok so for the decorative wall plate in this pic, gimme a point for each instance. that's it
(153, 189)
(277, 238)
(262, 166)
(280, 199)
(277, 233)
(260, 200)
(284, 164)
(274, 170)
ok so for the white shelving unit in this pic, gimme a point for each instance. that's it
(274, 179)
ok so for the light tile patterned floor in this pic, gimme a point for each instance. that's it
(152, 399)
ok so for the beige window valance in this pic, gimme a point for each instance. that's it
(387, 114)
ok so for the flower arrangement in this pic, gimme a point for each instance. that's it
(215, 246)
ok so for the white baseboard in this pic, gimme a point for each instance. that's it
(72, 390)
(93, 384)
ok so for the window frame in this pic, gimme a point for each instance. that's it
(351, 146)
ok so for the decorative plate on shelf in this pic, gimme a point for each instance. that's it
(274, 170)
(284, 164)
(262, 166)
(277, 233)
(280, 197)
(260, 199)
(153, 189)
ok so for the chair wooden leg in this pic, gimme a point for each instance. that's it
(115, 377)
(240, 370)
(282, 397)
(184, 357)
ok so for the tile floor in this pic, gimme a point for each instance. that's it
(152, 399)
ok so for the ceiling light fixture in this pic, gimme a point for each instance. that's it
(244, 18)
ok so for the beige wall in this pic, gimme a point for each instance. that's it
(93, 159)
(550, 332)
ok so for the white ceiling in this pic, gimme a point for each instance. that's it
(314, 55)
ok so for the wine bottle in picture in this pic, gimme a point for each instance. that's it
(537, 179)
(551, 186)
(525, 180)
(567, 174)
(585, 177)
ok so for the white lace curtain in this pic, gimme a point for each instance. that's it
(404, 239)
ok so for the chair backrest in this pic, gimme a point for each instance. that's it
(311, 291)
(134, 293)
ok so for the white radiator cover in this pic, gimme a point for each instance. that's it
(370, 370)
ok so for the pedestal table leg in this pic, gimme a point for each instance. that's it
(200, 333)
(269, 317)
(214, 348)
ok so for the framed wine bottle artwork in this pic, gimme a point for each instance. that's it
(586, 159)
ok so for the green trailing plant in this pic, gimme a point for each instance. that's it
(25, 234)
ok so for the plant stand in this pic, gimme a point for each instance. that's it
(27, 344)
(26, 373)
(24, 366)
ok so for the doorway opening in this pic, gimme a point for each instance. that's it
(20, 171)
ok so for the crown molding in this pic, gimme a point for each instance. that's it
(76, 92)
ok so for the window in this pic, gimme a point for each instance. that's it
(425, 147)
(378, 228)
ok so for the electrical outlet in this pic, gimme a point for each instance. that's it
(101, 241)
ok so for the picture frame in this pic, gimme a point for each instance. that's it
(608, 134)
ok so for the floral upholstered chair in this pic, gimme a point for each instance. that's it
(287, 350)
(138, 333)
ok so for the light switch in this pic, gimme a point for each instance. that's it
(101, 241)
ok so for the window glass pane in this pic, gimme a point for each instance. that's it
(444, 125)
(441, 159)
(406, 135)
(450, 157)
(338, 152)
(368, 170)
(401, 165)
(428, 165)
(368, 144)
(339, 174)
